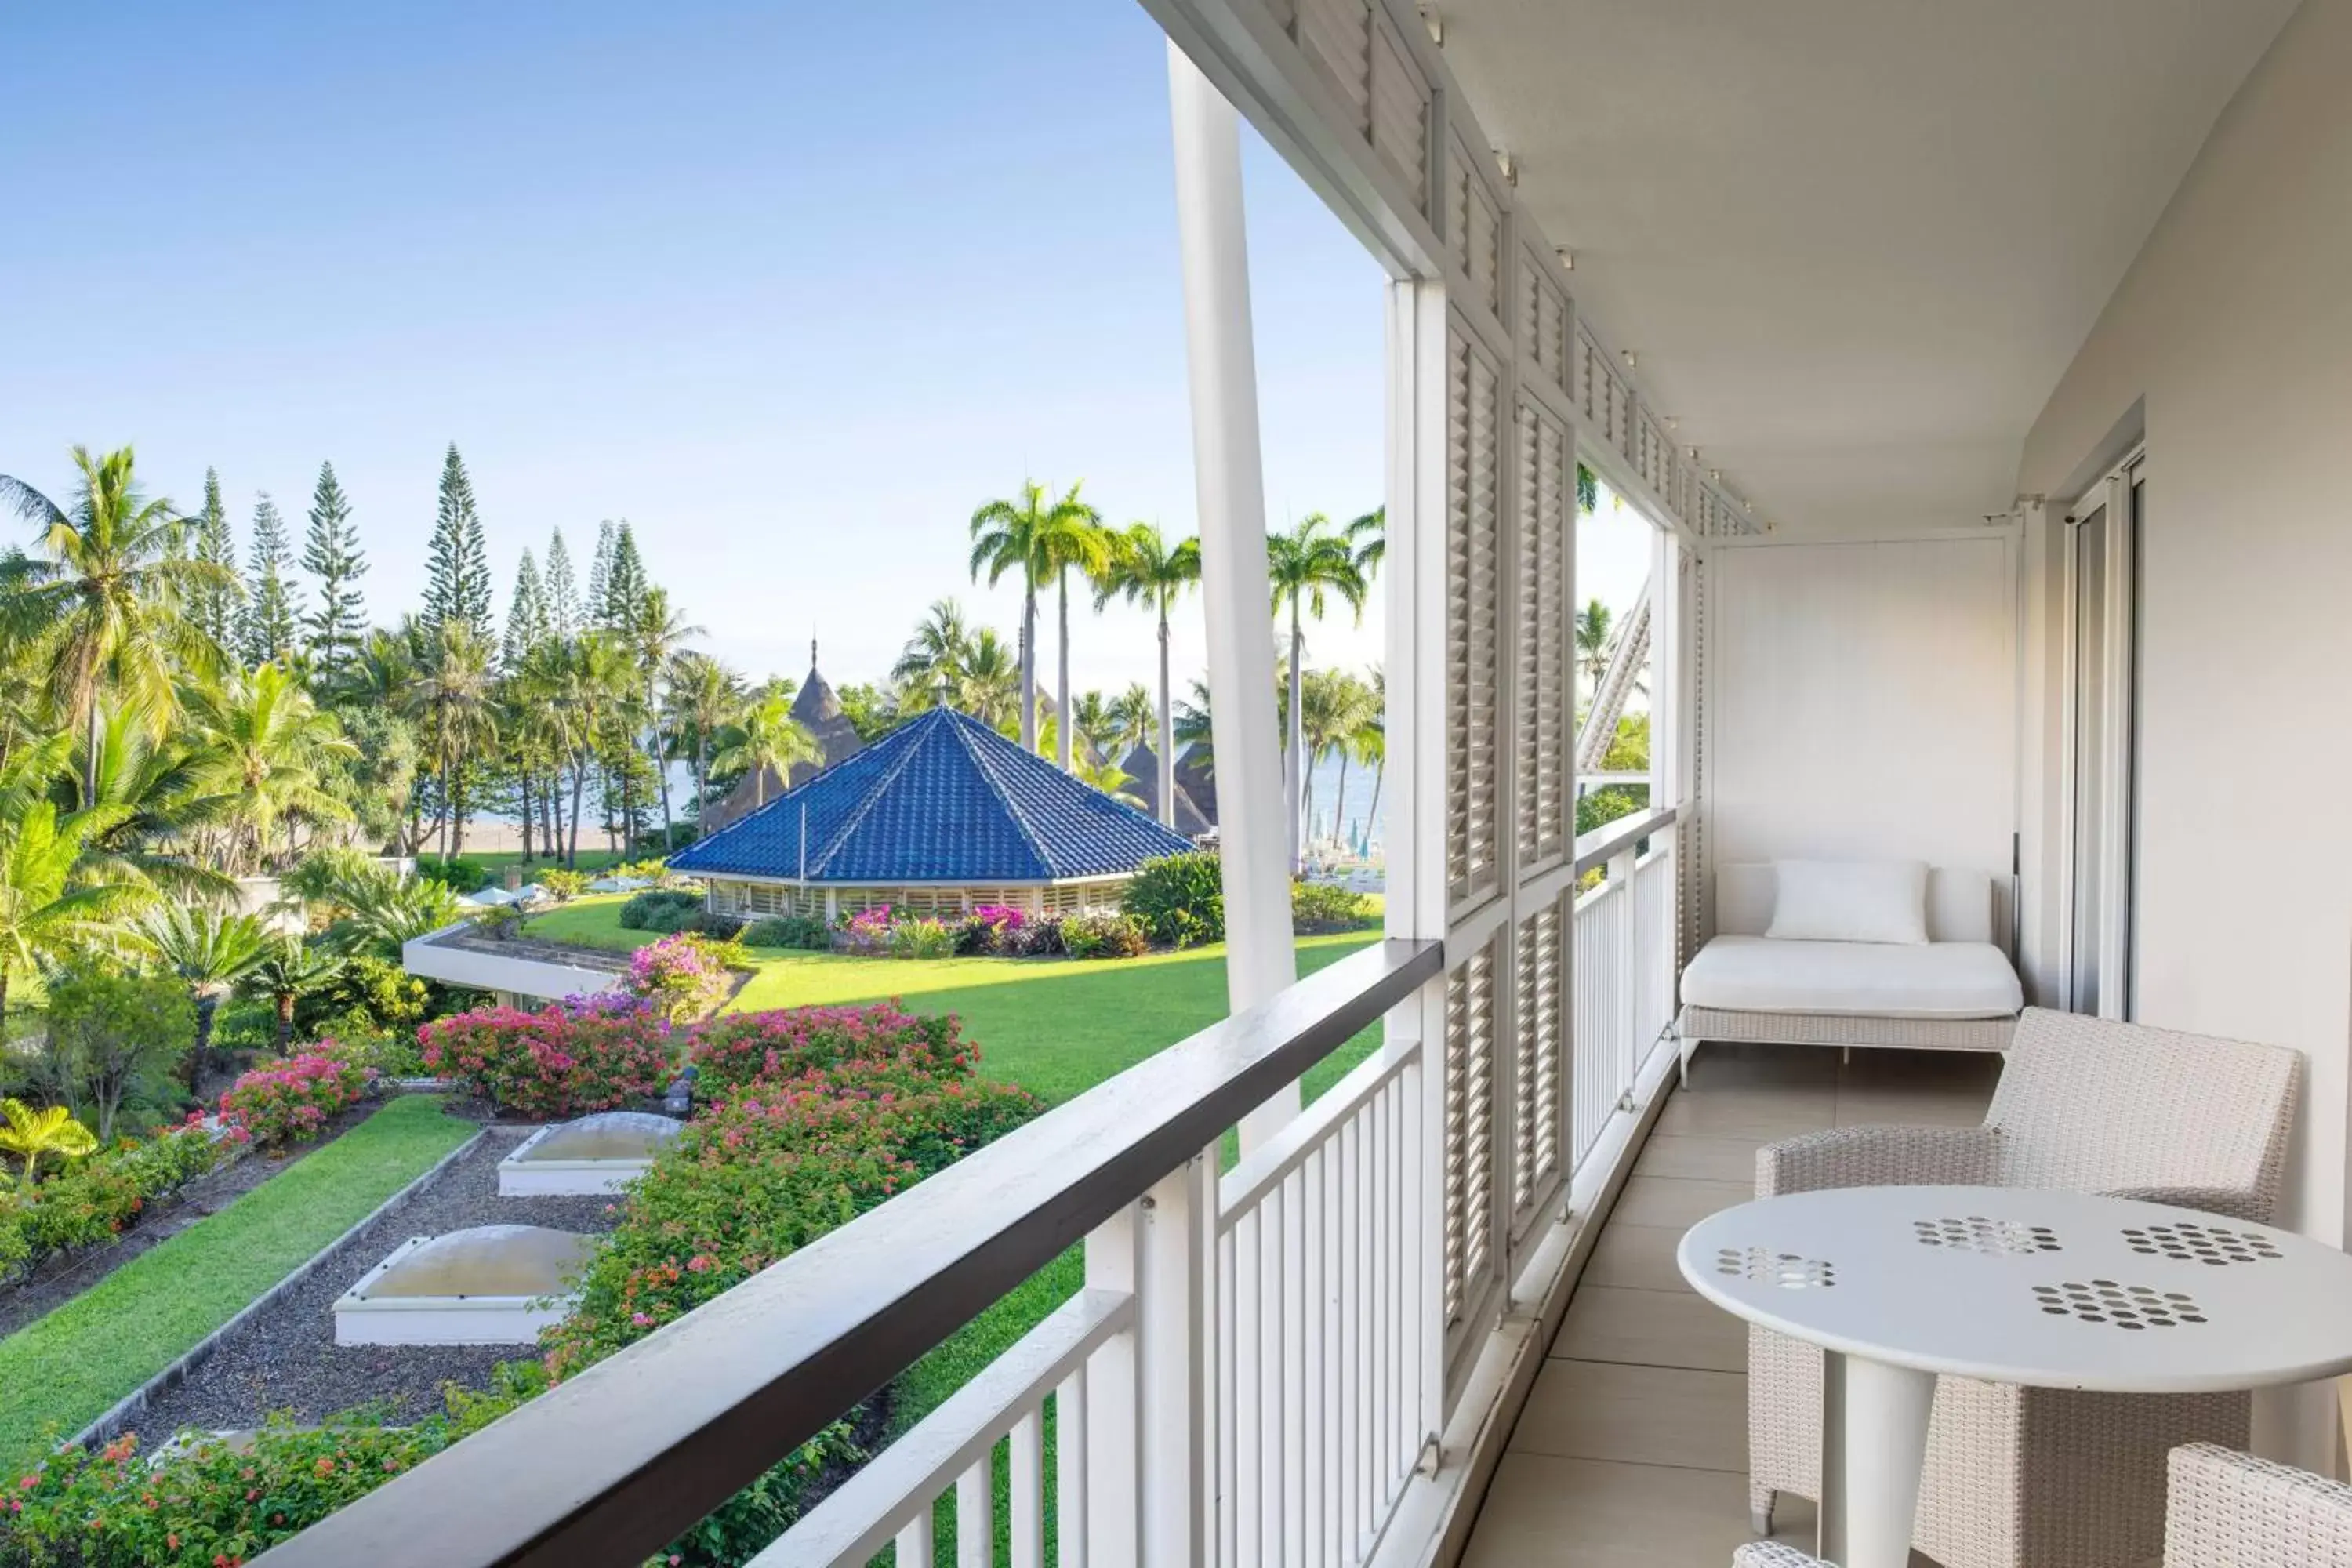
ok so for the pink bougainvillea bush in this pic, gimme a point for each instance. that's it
(683, 976)
(290, 1101)
(566, 1059)
(729, 1052)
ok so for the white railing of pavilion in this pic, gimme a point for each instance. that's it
(1624, 972)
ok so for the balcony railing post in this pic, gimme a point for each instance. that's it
(1175, 1361)
(1110, 1426)
(1631, 953)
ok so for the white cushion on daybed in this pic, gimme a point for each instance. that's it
(1849, 901)
(1875, 980)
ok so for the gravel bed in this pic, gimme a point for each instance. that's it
(285, 1358)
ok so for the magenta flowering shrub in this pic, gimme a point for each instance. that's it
(1002, 917)
(290, 1101)
(681, 977)
(566, 1059)
(867, 933)
(730, 1052)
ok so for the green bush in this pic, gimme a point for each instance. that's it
(459, 873)
(804, 931)
(94, 1199)
(1180, 899)
(562, 885)
(1324, 905)
(712, 923)
(660, 910)
(112, 1037)
(922, 938)
(1104, 935)
(368, 996)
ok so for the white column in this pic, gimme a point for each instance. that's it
(1229, 479)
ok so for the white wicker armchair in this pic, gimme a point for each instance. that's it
(2040, 1478)
(2222, 1509)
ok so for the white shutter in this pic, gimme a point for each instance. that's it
(1473, 1272)
(1543, 324)
(1539, 1068)
(1400, 109)
(1336, 35)
(1546, 724)
(1474, 612)
(1474, 229)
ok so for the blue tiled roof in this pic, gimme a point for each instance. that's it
(943, 798)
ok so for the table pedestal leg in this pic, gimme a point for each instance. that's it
(1873, 1441)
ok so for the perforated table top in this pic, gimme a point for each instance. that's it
(2050, 1289)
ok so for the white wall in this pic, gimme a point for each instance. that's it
(2235, 327)
(1862, 701)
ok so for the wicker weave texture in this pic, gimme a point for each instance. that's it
(1839, 1030)
(2037, 1477)
(2232, 1511)
(1771, 1554)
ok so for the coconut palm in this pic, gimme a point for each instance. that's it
(206, 951)
(656, 634)
(454, 698)
(1306, 566)
(1028, 535)
(157, 798)
(934, 659)
(1336, 706)
(1592, 628)
(1129, 721)
(591, 679)
(101, 594)
(1193, 724)
(989, 689)
(1077, 542)
(285, 971)
(1368, 536)
(1108, 776)
(701, 697)
(768, 736)
(29, 1135)
(1370, 743)
(1145, 569)
(266, 746)
(44, 914)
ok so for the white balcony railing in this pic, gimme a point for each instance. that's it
(1252, 1372)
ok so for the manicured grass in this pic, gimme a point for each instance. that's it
(65, 1369)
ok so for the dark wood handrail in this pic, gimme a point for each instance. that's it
(610, 1466)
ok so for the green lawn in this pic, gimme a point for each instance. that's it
(65, 1369)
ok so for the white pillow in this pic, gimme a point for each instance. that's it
(1849, 901)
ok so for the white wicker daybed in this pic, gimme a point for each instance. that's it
(1956, 991)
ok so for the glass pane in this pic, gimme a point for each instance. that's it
(2090, 752)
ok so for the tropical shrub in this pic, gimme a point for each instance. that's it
(990, 928)
(682, 975)
(739, 1049)
(1034, 938)
(651, 866)
(564, 1060)
(95, 1198)
(659, 909)
(385, 1053)
(1180, 899)
(1104, 935)
(367, 995)
(459, 873)
(500, 922)
(804, 932)
(33, 1135)
(867, 933)
(718, 926)
(562, 885)
(1326, 906)
(922, 938)
(114, 1035)
(290, 1101)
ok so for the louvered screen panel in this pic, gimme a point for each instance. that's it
(1400, 117)
(1546, 725)
(1543, 324)
(1474, 611)
(1471, 1263)
(1475, 229)
(1690, 825)
(1336, 35)
(1284, 12)
(1538, 1068)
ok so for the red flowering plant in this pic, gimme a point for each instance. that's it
(565, 1059)
(290, 1101)
(729, 1052)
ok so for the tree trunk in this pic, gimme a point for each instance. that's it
(579, 778)
(701, 780)
(1029, 665)
(457, 810)
(206, 1005)
(1167, 729)
(661, 767)
(1373, 815)
(90, 759)
(522, 784)
(1339, 804)
(1294, 768)
(1065, 729)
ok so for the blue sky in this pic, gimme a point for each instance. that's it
(790, 288)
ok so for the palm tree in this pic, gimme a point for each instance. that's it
(933, 658)
(658, 634)
(1193, 727)
(28, 1134)
(43, 914)
(1371, 742)
(206, 951)
(103, 597)
(158, 798)
(386, 913)
(591, 680)
(1146, 568)
(768, 736)
(1592, 641)
(1369, 537)
(285, 971)
(454, 694)
(988, 687)
(703, 696)
(1108, 776)
(265, 744)
(1129, 721)
(1027, 535)
(1306, 565)
(1078, 540)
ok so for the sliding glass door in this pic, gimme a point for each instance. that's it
(2103, 532)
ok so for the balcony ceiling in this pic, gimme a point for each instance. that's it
(1853, 243)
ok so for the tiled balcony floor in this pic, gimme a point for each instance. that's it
(1632, 1452)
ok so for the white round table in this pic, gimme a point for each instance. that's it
(2048, 1290)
